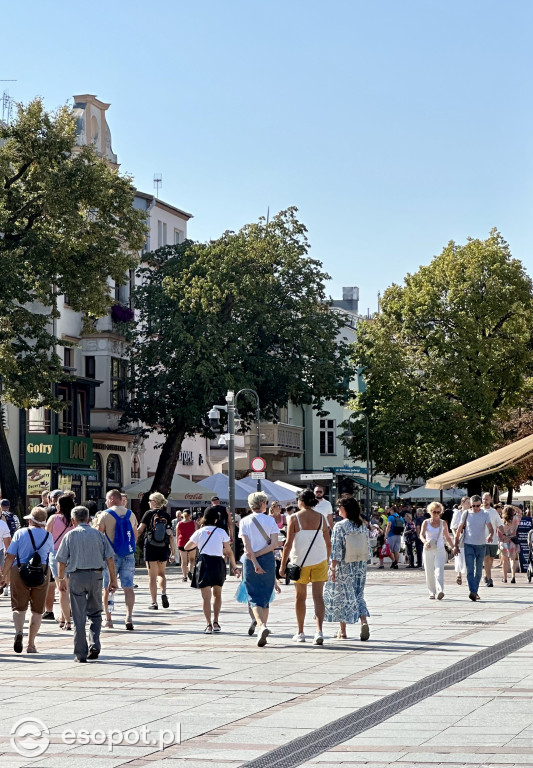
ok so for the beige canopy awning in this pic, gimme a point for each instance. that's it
(492, 462)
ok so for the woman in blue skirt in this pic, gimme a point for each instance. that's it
(259, 533)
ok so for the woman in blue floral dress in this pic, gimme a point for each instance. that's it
(344, 593)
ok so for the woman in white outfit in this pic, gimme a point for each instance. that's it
(460, 564)
(432, 535)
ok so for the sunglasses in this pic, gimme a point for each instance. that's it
(476, 505)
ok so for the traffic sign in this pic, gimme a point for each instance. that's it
(318, 476)
(258, 475)
(258, 464)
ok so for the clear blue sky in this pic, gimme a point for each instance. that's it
(393, 125)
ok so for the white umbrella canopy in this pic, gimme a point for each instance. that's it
(524, 494)
(432, 494)
(294, 488)
(275, 492)
(181, 490)
(219, 484)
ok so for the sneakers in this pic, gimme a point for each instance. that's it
(263, 634)
(153, 607)
(394, 566)
(251, 628)
(93, 653)
(380, 567)
(440, 595)
(80, 660)
(432, 597)
(48, 616)
(472, 596)
(299, 638)
(318, 638)
(365, 632)
(164, 601)
(490, 583)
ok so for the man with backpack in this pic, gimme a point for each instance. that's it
(120, 526)
(26, 568)
(393, 533)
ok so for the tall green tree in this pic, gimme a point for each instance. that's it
(446, 360)
(67, 224)
(246, 310)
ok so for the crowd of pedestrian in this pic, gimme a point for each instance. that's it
(85, 556)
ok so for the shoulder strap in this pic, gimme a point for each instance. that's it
(314, 537)
(258, 525)
(204, 545)
(61, 534)
(33, 540)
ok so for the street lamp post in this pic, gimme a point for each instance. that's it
(362, 413)
(230, 408)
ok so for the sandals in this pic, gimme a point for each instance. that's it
(513, 580)
(108, 624)
(61, 623)
(341, 635)
(65, 625)
(504, 581)
(208, 630)
(31, 649)
(459, 579)
(216, 627)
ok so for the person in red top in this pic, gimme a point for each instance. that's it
(186, 528)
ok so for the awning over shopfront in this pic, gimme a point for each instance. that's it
(492, 462)
(376, 487)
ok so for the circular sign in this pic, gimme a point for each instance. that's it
(258, 464)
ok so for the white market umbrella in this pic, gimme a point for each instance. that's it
(273, 491)
(432, 494)
(219, 484)
(524, 494)
(182, 490)
(288, 487)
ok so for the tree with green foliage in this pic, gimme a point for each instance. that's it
(67, 224)
(445, 360)
(246, 310)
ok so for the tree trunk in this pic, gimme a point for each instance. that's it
(495, 494)
(166, 466)
(474, 487)
(8, 476)
(510, 495)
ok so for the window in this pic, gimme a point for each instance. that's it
(165, 239)
(135, 467)
(159, 234)
(64, 417)
(113, 471)
(177, 236)
(119, 373)
(68, 357)
(117, 291)
(327, 436)
(97, 467)
(81, 403)
(38, 420)
(90, 367)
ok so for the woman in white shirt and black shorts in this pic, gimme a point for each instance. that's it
(209, 572)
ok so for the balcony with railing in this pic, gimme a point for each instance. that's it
(279, 439)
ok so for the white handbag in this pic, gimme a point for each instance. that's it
(356, 547)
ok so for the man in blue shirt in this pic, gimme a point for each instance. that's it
(21, 549)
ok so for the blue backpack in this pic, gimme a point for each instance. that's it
(124, 543)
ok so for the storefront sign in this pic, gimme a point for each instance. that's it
(38, 480)
(524, 527)
(42, 449)
(106, 447)
(76, 450)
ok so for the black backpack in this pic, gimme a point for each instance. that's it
(32, 572)
(157, 533)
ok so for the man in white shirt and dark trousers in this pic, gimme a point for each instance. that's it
(324, 506)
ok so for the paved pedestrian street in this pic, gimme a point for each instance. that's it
(235, 702)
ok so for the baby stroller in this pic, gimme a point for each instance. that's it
(530, 557)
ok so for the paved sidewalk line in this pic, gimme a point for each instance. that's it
(324, 739)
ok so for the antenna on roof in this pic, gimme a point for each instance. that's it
(7, 104)
(158, 182)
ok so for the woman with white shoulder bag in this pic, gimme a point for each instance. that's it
(344, 593)
(434, 556)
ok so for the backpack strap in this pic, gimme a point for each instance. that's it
(117, 518)
(35, 549)
(262, 530)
